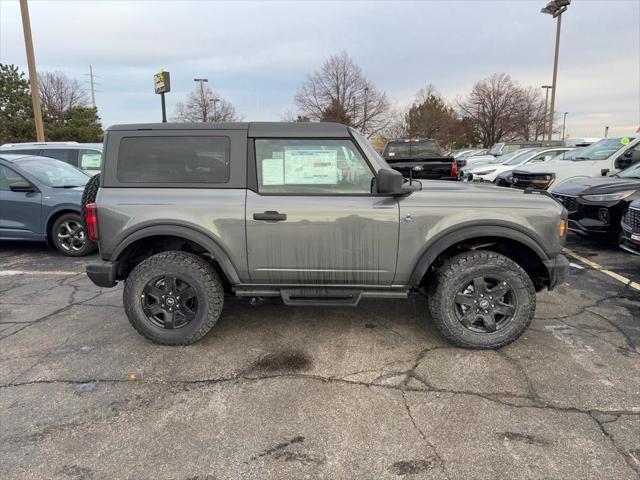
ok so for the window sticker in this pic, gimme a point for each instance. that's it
(273, 171)
(625, 141)
(90, 160)
(311, 167)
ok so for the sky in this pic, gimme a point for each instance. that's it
(257, 54)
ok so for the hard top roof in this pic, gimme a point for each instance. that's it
(254, 129)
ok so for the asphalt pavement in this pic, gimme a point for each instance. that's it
(276, 392)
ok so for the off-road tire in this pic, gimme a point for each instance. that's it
(454, 273)
(70, 219)
(89, 194)
(193, 270)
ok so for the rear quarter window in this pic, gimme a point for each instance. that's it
(174, 159)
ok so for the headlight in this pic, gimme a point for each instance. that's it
(609, 197)
(543, 181)
(485, 172)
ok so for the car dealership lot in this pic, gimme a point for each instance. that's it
(294, 392)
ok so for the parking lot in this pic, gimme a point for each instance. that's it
(293, 392)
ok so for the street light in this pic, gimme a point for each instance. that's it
(564, 124)
(555, 8)
(214, 100)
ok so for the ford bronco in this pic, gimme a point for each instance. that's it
(185, 214)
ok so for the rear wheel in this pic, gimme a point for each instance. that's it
(482, 300)
(173, 298)
(69, 236)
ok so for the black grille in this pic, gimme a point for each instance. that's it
(632, 219)
(568, 202)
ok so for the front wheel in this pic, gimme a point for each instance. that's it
(482, 300)
(69, 236)
(173, 298)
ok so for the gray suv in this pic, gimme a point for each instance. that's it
(310, 213)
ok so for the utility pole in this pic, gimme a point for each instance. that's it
(33, 76)
(564, 124)
(93, 87)
(205, 108)
(364, 120)
(606, 132)
(546, 101)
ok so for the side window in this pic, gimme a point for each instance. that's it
(297, 166)
(174, 159)
(34, 151)
(89, 159)
(7, 177)
(64, 154)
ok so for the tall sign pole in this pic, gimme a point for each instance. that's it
(33, 76)
(162, 84)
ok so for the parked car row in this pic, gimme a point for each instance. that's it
(596, 180)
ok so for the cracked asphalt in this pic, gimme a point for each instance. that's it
(277, 392)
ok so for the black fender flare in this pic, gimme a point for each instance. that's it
(449, 238)
(189, 233)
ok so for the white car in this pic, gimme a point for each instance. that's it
(603, 158)
(85, 156)
(489, 172)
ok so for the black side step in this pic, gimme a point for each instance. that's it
(321, 296)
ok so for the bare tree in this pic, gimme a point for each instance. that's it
(396, 127)
(340, 92)
(530, 115)
(205, 105)
(58, 94)
(492, 107)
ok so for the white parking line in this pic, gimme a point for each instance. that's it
(601, 269)
(9, 273)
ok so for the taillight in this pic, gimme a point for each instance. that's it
(91, 218)
(454, 169)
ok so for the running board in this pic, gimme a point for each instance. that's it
(320, 296)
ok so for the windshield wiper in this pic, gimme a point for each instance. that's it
(581, 158)
(67, 186)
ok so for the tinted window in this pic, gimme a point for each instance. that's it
(179, 159)
(412, 150)
(89, 159)
(311, 166)
(64, 154)
(7, 177)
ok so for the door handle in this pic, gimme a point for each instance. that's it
(270, 216)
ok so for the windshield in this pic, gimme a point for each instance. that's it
(412, 150)
(496, 149)
(568, 155)
(515, 158)
(603, 149)
(632, 172)
(54, 173)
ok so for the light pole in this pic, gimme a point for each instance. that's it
(546, 102)
(215, 112)
(555, 8)
(564, 124)
(202, 81)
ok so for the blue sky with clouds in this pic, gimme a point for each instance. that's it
(256, 54)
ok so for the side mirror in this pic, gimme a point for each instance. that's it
(389, 182)
(22, 187)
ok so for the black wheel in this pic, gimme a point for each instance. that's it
(173, 298)
(482, 299)
(89, 194)
(69, 236)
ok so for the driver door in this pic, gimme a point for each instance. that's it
(313, 220)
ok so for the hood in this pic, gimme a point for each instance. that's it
(430, 186)
(597, 185)
(553, 165)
